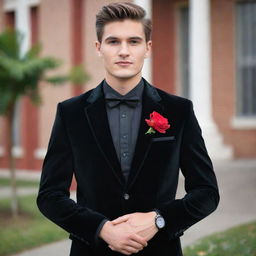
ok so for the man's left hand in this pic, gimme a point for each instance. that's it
(142, 223)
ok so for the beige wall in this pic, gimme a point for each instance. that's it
(223, 79)
(93, 63)
(54, 34)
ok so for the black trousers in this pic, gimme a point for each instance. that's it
(155, 247)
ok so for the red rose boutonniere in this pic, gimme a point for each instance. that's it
(157, 123)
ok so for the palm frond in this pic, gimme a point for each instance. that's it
(56, 80)
(5, 100)
(33, 52)
(20, 75)
(78, 75)
(11, 67)
(10, 41)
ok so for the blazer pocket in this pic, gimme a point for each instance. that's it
(169, 138)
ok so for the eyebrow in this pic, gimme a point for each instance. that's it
(133, 38)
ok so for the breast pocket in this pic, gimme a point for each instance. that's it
(167, 138)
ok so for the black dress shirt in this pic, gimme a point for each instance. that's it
(124, 121)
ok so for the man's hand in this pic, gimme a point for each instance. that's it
(122, 238)
(142, 224)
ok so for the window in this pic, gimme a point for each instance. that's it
(184, 50)
(246, 59)
(10, 19)
(34, 26)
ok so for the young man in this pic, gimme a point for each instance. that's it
(125, 141)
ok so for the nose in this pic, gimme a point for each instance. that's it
(124, 51)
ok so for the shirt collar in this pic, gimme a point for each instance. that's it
(137, 90)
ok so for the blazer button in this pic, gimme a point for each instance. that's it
(126, 196)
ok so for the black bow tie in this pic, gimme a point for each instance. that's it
(115, 100)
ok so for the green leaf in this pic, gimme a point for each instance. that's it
(78, 75)
(11, 67)
(150, 130)
(33, 51)
(10, 41)
(35, 97)
(56, 80)
(5, 101)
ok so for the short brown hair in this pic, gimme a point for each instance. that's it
(119, 12)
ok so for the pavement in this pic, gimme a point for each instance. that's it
(20, 174)
(237, 185)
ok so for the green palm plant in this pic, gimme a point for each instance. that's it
(20, 75)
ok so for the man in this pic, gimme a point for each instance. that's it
(125, 141)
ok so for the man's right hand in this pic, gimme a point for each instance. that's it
(122, 238)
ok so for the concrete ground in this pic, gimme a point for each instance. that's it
(237, 184)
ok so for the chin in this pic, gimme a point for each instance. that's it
(125, 75)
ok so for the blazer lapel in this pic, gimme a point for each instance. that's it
(96, 115)
(150, 102)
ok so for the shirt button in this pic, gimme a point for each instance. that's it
(123, 115)
(126, 196)
(124, 154)
(124, 136)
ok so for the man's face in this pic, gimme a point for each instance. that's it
(123, 49)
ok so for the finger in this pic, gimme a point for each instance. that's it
(135, 245)
(111, 247)
(126, 252)
(139, 239)
(120, 219)
(130, 249)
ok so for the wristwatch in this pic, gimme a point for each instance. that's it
(159, 220)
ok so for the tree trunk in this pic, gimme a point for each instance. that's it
(11, 161)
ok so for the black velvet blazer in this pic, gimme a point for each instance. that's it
(81, 144)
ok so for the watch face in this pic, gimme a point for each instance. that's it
(160, 222)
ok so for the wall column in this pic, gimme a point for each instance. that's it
(22, 23)
(200, 77)
(147, 68)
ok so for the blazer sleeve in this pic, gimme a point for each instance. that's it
(53, 197)
(202, 195)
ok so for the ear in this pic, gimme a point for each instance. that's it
(148, 49)
(97, 46)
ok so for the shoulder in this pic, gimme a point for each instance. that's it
(73, 108)
(171, 98)
(76, 100)
(168, 98)
(75, 104)
(174, 103)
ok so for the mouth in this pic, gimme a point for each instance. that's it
(123, 63)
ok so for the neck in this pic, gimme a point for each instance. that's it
(123, 85)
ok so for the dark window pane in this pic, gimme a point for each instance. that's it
(246, 58)
(184, 51)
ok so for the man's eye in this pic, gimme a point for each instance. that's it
(113, 42)
(134, 42)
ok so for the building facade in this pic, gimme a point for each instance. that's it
(202, 50)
